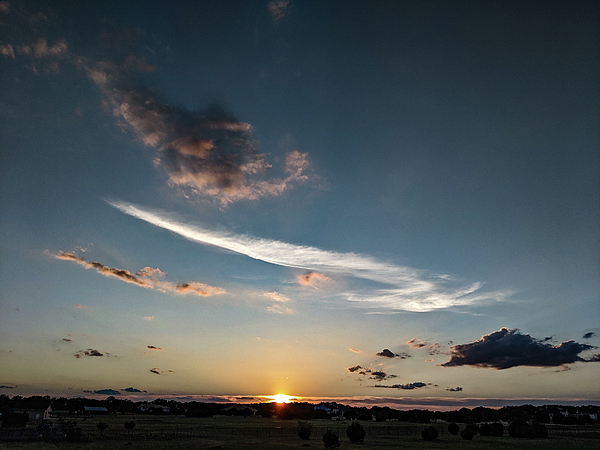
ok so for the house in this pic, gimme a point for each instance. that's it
(36, 409)
(96, 410)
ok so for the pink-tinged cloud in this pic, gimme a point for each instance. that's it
(147, 277)
(277, 9)
(313, 279)
(41, 49)
(148, 317)
(80, 306)
(417, 343)
(208, 153)
(7, 50)
(354, 350)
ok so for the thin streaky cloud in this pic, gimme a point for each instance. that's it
(147, 277)
(411, 289)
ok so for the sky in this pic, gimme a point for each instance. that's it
(395, 202)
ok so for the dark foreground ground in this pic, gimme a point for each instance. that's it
(221, 432)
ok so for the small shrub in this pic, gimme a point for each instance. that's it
(523, 429)
(356, 432)
(473, 427)
(453, 429)
(102, 426)
(467, 434)
(304, 430)
(331, 439)
(429, 434)
(129, 425)
(491, 429)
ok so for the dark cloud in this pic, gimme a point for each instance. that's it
(356, 368)
(132, 390)
(417, 343)
(4, 386)
(153, 347)
(158, 371)
(456, 389)
(387, 353)
(378, 375)
(408, 386)
(67, 340)
(88, 352)
(147, 277)
(207, 152)
(103, 392)
(589, 335)
(506, 348)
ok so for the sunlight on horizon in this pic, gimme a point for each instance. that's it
(281, 398)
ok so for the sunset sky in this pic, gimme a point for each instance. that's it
(382, 201)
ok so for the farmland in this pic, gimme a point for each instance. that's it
(227, 432)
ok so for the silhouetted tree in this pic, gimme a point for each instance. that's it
(331, 439)
(355, 432)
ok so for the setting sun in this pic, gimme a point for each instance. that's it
(281, 398)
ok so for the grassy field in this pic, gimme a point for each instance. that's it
(221, 432)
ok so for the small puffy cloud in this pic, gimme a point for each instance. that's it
(7, 50)
(506, 348)
(378, 375)
(67, 340)
(41, 49)
(387, 353)
(80, 306)
(417, 343)
(132, 390)
(153, 347)
(408, 386)
(589, 335)
(148, 317)
(276, 296)
(355, 350)
(277, 9)
(88, 352)
(156, 370)
(147, 277)
(456, 389)
(313, 279)
(278, 307)
(357, 368)
(107, 392)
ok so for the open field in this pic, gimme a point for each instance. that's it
(222, 432)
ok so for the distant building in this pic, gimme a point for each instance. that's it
(36, 409)
(148, 407)
(96, 410)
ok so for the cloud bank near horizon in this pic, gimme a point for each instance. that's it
(406, 288)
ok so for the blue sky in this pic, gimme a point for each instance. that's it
(246, 198)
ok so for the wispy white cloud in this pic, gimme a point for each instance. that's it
(409, 289)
